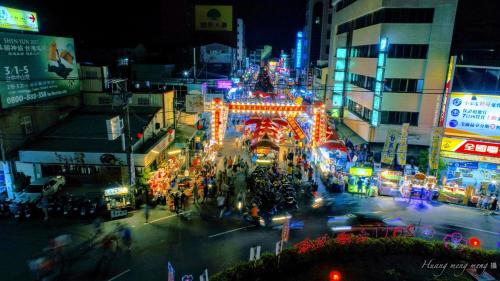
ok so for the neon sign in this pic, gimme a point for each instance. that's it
(298, 52)
(379, 81)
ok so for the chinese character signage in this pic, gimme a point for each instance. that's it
(224, 84)
(213, 18)
(471, 147)
(403, 144)
(18, 19)
(473, 116)
(434, 148)
(390, 146)
(35, 68)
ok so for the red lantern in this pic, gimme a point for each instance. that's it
(335, 275)
(474, 242)
(140, 135)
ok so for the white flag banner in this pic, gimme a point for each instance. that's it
(204, 275)
(254, 253)
(279, 247)
(257, 253)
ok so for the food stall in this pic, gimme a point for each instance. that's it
(364, 174)
(389, 182)
(330, 157)
(118, 201)
(421, 186)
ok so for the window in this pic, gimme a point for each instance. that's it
(330, 18)
(104, 100)
(388, 15)
(362, 81)
(327, 49)
(328, 34)
(143, 101)
(399, 117)
(343, 4)
(365, 51)
(27, 125)
(409, 51)
(359, 110)
(403, 85)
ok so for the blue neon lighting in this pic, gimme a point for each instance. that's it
(298, 55)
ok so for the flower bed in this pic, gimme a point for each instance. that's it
(363, 258)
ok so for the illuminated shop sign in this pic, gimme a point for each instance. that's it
(379, 81)
(18, 19)
(471, 147)
(473, 116)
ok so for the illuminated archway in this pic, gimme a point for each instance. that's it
(286, 110)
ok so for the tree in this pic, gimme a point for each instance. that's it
(423, 160)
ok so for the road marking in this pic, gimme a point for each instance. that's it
(229, 231)
(119, 275)
(476, 229)
(167, 217)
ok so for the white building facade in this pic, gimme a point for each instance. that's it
(240, 44)
(388, 65)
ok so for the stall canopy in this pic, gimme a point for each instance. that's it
(334, 145)
(265, 142)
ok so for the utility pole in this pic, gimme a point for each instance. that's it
(324, 92)
(119, 88)
(194, 64)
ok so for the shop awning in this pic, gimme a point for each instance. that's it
(333, 145)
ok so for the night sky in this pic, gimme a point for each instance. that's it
(113, 24)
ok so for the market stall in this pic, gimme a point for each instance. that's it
(389, 182)
(420, 186)
(360, 181)
(118, 201)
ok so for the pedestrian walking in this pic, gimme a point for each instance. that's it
(177, 199)
(183, 200)
(195, 193)
(205, 190)
(45, 207)
(146, 211)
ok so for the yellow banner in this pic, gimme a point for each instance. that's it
(434, 149)
(403, 144)
(213, 18)
(18, 19)
(390, 146)
(449, 144)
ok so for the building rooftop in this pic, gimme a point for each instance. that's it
(85, 131)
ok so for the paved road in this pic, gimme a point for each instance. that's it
(215, 244)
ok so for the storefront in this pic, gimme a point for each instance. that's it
(469, 165)
(118, 201)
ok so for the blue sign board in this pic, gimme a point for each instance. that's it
(468, 165)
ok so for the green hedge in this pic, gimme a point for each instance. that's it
(292, 262)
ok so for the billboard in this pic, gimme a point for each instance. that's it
(213, 18)
(194, 103)
(11, 18)
(216, 53)
(473, 116)
(471, 147)
(35, 68)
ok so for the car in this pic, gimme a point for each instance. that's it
(46, 186)
(366, 223)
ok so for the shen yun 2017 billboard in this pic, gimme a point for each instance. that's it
(35, 68)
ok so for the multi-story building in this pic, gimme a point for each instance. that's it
(388, 62)
(240, 43)
(317, 31)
